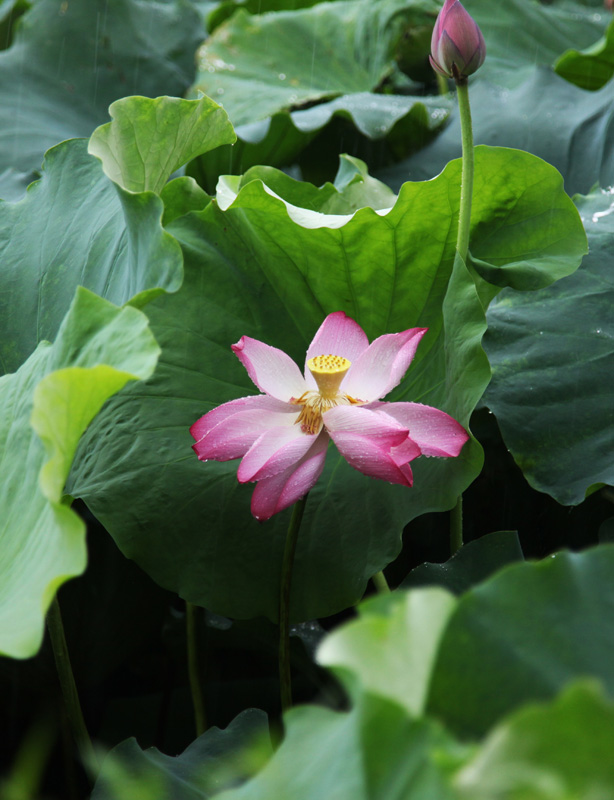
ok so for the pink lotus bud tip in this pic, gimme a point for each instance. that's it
(457, 45)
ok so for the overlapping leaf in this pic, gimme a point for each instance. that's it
(256, 65)
(256, 268)
(76, 227)
(56, 392)
(470, 565)
(400, 654)
(148, 140)
(518, 102)
(216, 759)
(521, 34)
(221, 10)
(568, 127)
(391, 660)
(391, 649)
(342, 50)
(592, 68)
(555, 750)
(70, 61)
(375, 752)
(552, 355)
(559, 626)
(382, 127)
(519, 637)
(360, 755)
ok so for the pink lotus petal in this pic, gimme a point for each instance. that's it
(382, 365)
(272, 495)
(233, 436)
(405, 452)
(437, 68)
(273, 452)
(463, 31)
(367, 440)
(272, 370)
(207, 422)
(435, 432)
(368, 457)
(439, 24)
(359, 420)
(338, 335)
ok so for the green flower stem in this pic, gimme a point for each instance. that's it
(456, 526)
(462, 248)
(68, 686)
(198, 702)
(442, 84)
(285, 681)
(380, 582)
(464, 217)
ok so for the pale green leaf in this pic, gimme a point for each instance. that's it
(55, 394)
(148, 139)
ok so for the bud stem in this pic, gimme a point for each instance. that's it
(442, 84)
(464, 217)
(462, 247)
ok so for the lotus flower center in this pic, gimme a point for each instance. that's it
(328, 371)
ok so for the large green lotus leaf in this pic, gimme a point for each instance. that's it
(560, 750)
(148, 139)
(386, 127)
(46, 406)
(374, 752)
(74, 227)
(390, 649)
(512, 244)
(552, 354)
(570, 128)
(522, 636)
(592, 68)
(257, 65)
(217, 759)
(272, 270)
(69, 61)
(521, 34)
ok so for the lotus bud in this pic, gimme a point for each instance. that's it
(457, 44)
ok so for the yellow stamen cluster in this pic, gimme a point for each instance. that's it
(328, 371)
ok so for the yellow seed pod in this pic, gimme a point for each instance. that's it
(329, 371)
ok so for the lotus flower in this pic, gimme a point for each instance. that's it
(282, 435)
(457, 44)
